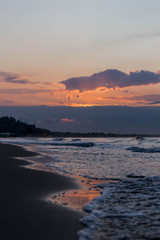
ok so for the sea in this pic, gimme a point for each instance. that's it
(128, 161)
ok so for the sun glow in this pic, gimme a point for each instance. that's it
(26, 90)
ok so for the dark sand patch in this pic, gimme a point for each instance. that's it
(23, 212)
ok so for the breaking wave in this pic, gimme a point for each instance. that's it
(124, 210)
(144, 150)
(49, 142)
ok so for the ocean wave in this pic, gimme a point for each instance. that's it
(81, 144)
(59, 139)
(76, 139)
(144, 150)
(124, 210)
(51, 142)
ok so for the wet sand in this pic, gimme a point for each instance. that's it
(23, 212)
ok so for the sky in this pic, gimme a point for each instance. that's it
(80, 53)
(107, 119)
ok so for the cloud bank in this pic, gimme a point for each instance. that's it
(148, 98)
(111, 78)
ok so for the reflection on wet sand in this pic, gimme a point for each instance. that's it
(77, 199)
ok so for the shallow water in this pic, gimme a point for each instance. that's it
(101, 158)
(105, 158)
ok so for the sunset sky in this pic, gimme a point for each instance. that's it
(80, 53)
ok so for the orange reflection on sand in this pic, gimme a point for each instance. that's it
(75, 199)
(78, 198)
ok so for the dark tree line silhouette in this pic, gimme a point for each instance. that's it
(18, 128)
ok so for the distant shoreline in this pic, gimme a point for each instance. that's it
(101, 135)
(79, 135)
(10, 127)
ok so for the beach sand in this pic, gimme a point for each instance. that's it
(23, 212)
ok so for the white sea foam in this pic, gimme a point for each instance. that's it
(124, 210)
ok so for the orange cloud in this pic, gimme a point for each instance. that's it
(67, 120)
(39, 93)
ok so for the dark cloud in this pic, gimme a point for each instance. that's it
(111, 78)
(16, 78)
(144, 35)
(24, 91)
(61, 103)
(105, 43)
(147, 98)
(6, 101)
(154, 103)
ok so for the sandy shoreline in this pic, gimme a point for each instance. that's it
(23, 212)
